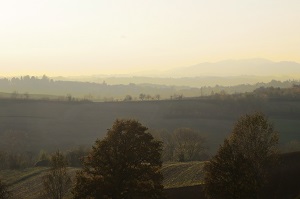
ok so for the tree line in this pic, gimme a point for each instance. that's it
(24, 86)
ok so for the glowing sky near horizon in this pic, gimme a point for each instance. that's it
(76, 37)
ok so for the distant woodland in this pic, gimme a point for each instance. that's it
(26, 87)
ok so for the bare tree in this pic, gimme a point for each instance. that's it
(57, 182)
(157, 96)
(189, 144)
(183, 144)
(142, 96)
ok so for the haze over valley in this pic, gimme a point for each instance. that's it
(225, 73)
(149, 99)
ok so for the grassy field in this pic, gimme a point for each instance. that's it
(36, 125)
(179, 179)
(25, 96)
(182, 174)
(27, 183)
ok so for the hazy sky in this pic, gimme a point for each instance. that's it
(77, 37)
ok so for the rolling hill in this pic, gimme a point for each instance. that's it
(27, 183)
(180, 179)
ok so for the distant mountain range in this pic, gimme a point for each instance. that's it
(248, 67)
(226, 73)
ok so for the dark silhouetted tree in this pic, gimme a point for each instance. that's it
(125, 164)
(142, 96)
(240, 167)
(157, 96)
(70, 98)
(148, 97)
(57, 182)
(127, 98)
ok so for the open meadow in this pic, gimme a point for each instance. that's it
(34, 125)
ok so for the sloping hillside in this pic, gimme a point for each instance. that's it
(182, 174)
(180, 179)
(28, 183)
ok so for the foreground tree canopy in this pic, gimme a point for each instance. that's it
(240, 168)
(125, 164)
